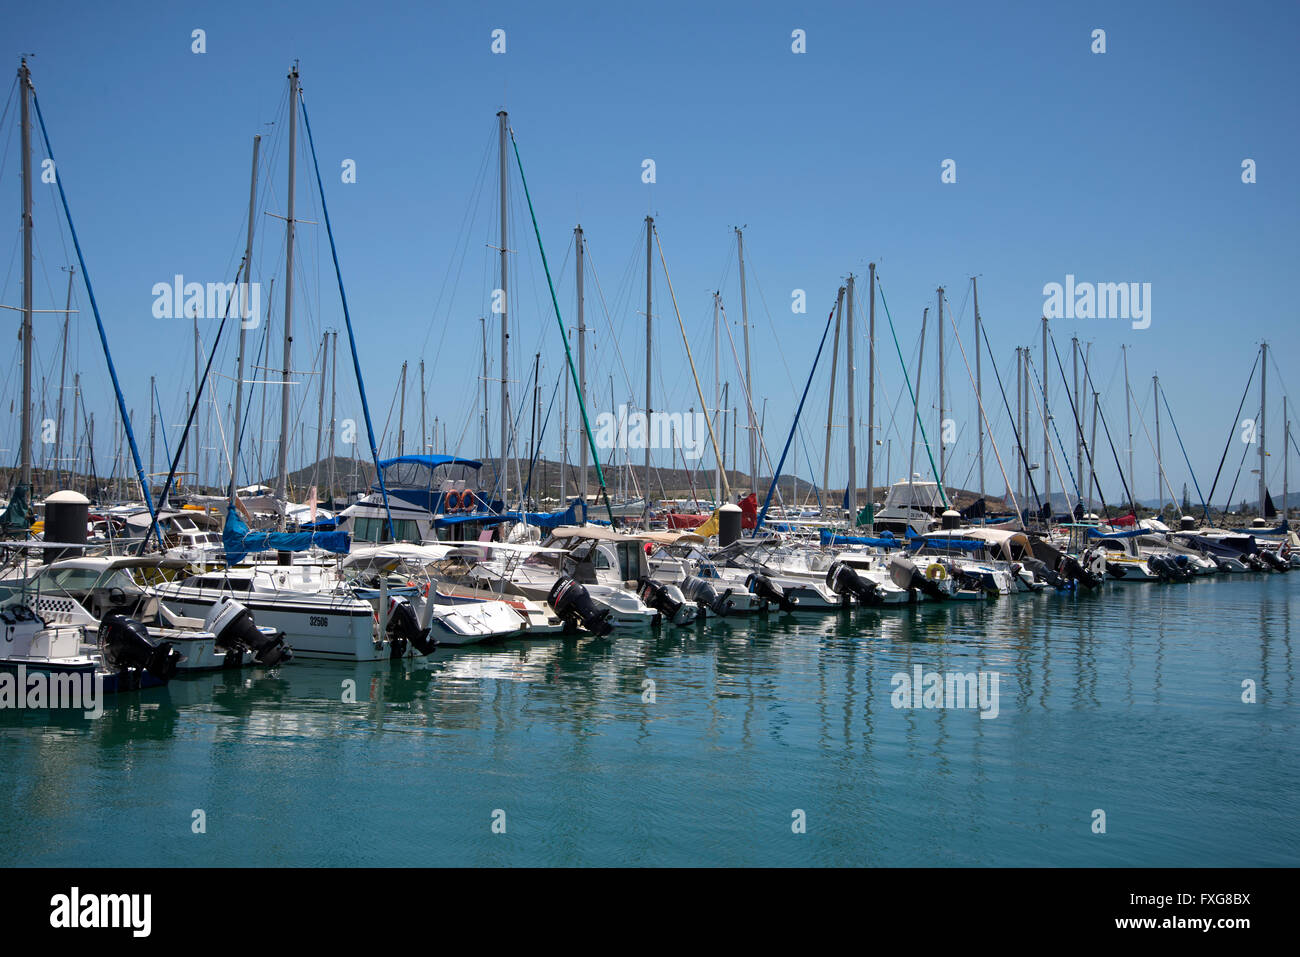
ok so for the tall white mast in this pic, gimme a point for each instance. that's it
(63, 374)
(1263, 409)
(749, 382)
(979, 380)
(283, 461)
(582, 358)
(871, 397)
(649, 330)
(503, 477)
(943, 458)
(243, 316)
(334, 378)
(25, 85)
(852, 411)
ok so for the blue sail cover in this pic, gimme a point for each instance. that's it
(575, 514)
(949, 544)
(239, 541)
(886, 541)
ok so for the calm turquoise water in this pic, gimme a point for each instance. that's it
(1130, 703)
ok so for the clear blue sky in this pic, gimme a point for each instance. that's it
(1122, 166)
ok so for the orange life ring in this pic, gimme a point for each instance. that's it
(451, 501)
(467, 501)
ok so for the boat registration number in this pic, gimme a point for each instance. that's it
(318, 621)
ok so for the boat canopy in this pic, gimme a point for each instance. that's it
(886, 539)
(239, 541)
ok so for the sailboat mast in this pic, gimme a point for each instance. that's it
(749, 382)
(1078, 435)
(852, 411)
(482, 323)
(871, 397)
(717, 398)
(1263, 409)
(424, 436)
(504, 478)
(1160, 467)
(943, 446)
(582, 358)
(244, 316)
(979, 380)
(25, 85)
(283, 460)
(320, 403)
(1128, 418)
(1047, 441)
(1015, 427)
(153, 426)
(649, 330)
(334, 379)
(1286, 452)
(63, 376)
(830, 405)
(916, 412)
(401, 414)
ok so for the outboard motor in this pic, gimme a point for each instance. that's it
(770, 591)
(571, 602)
(1071, 569)
(698, 590)
(656, 595)
(236, 631)
(404, 629)
(1255, 562)
(1041, 572)
(845, 580)
(126, 645)
(1271, 559)
(906, 574)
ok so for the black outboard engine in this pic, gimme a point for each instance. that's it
(1271, 559)
(769, 591)
(1255, 562)
(698, 590)
(237, 632)
(126, 646)
(571, 602)
(1042, 573)
(404, 629)
(845, 580)
(906, 574)
(655, 595)
(1071, 569)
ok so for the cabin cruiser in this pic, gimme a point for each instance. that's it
(320, 615)
(681, 558)
(607, 567)
(988, 560)
(389, 573)
(123, 656)
(85, 592)
(911, 505)
(430, 498)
